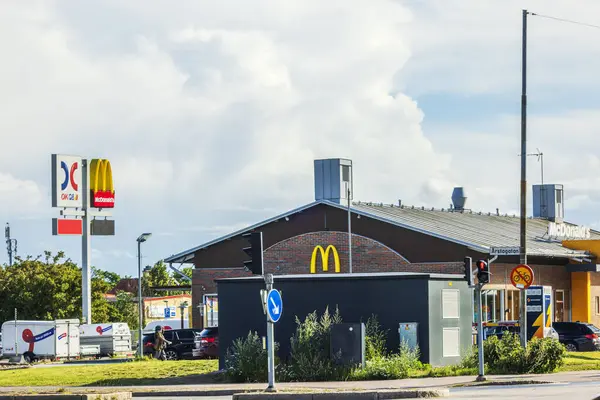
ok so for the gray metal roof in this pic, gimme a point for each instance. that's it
(477, 231)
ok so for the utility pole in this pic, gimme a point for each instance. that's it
(523, 224)
(11, 244)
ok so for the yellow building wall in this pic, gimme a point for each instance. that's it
(581, 292)
(158, 304)
(584, 284)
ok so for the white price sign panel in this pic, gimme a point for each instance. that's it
(66, 181)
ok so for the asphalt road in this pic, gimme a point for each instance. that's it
(580, 391)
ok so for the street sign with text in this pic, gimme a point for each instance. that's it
(505, 251)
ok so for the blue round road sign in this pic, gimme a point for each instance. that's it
(274, 305)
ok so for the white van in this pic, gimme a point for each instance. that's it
(166, 324)
(114, 338)
(35, 340)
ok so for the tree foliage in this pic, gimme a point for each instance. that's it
(48, 287)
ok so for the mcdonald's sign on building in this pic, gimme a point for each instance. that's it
(324, 258)
(101, 184)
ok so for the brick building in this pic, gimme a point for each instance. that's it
(400, 238)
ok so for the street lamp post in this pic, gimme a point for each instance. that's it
(143, 237)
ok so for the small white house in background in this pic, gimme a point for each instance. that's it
(166, 324)
(35, 340)
(114, 338)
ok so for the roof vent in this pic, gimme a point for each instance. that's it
(458, 198)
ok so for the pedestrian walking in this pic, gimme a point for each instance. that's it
(160, 343)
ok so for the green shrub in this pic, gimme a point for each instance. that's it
(394, 366)
(246, 360)
(545, 355)
(375, 339)
(506, 356)
(310, 349)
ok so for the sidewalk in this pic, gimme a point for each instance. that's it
(229, 389)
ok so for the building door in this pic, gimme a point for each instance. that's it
(559, 305)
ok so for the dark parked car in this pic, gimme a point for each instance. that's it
(207, 344)
(182, 344)
(578, 336)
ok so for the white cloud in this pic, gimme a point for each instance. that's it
(212, 113)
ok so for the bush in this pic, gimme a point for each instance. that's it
(375, 339)
(395, 366)
(545, 355)
(506, 356)
(310, 349)
(246, 360)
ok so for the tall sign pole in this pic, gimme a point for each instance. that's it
(523, 225)
(82, 189)
(86, 247)
(270, 335)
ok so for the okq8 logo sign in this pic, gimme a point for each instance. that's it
(66, 181)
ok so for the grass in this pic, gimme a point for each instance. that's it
(583, 361)
(151, 372)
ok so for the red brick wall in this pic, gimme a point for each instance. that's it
(293, 255)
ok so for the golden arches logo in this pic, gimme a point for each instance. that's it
(101, 184)
(324, 258)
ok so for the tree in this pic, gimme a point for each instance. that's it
(41, 290)
(158, 275)
(126, 309)
(111, 278)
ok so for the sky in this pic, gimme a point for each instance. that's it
(211, 113)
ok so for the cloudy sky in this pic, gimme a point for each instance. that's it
(212, 112)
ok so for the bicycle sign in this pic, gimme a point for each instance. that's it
(521, 276)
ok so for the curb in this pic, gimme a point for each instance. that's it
(104, 396)
(349, 395)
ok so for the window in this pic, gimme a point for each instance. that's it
(185, 335)
(559, 305)
(168, 334)
(597, 305)
(450, 303)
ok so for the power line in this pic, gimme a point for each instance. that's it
(570, 21)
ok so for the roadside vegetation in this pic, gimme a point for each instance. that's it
(310, 358)
(148, 372)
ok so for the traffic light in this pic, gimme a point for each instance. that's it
(255, 251)
(483, 272)
(468, 265)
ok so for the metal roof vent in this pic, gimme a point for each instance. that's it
(459, 198)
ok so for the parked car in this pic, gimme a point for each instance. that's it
(182, 343)
(578, 336)
(207, 344)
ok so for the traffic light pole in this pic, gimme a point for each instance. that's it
(481, 376)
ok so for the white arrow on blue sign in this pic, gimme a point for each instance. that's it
(274, 305)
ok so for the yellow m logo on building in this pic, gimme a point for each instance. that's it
(324, 258)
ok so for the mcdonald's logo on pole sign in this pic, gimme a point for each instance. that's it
(324, 258)
(102, 190)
